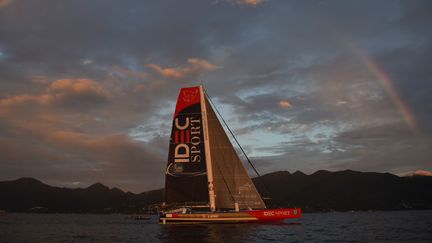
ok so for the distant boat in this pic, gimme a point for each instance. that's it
(205, 179)
(141, 217)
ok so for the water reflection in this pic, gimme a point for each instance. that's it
(222, 232)
(400, 226)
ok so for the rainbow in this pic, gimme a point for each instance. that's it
(384, 79)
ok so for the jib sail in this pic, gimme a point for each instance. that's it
(232, 183)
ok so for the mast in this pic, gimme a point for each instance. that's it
(207, 151)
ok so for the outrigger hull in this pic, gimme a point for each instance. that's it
(263, 215)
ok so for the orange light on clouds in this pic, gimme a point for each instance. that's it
(57, 90)
(196, 67)
(285, 104)
(423, 173)
(5, 3)
(247, 2)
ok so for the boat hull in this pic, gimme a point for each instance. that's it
(263, 215)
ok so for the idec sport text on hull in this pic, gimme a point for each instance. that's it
(187, 136)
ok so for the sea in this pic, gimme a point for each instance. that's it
(388, 226)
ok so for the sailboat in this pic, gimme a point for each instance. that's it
(205, 180)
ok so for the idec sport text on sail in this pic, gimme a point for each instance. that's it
(187, 136)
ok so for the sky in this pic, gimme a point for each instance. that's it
(88, 88)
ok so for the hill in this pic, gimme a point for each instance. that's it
(28, 194)
(345, 190)
(322, 191)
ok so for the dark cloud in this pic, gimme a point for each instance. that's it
(66, 157)
(88, 87)
(391, 147)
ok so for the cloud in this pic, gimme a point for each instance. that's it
(423, 173)
(417, 173)
(131, 74)
(246, 2)
(40, 80)
(19, 99)
(196, 67)
(153, 86)
(285, 104)
(64, 91)
(76, 156)
(5, 3)
(86, 142)
(132, 59)
(78, 87)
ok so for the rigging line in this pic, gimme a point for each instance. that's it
(229, 129)
(232, 134)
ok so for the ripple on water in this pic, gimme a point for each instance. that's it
(400, 226)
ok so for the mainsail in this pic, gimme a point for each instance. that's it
(186, 178)
(194, 174)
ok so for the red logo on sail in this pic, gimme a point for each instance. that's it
(187, 98)
(189, 95)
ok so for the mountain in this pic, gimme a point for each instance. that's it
(345, 190)
(321, 191)
(27, 194)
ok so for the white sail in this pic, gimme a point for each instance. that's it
(231, 181)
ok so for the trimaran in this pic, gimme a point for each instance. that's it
(205, 180)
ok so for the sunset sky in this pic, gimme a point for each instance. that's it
(88, 88)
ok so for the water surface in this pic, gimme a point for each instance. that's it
(396, 226)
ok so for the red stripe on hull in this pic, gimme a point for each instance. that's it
(263, 215)
(275, 214)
